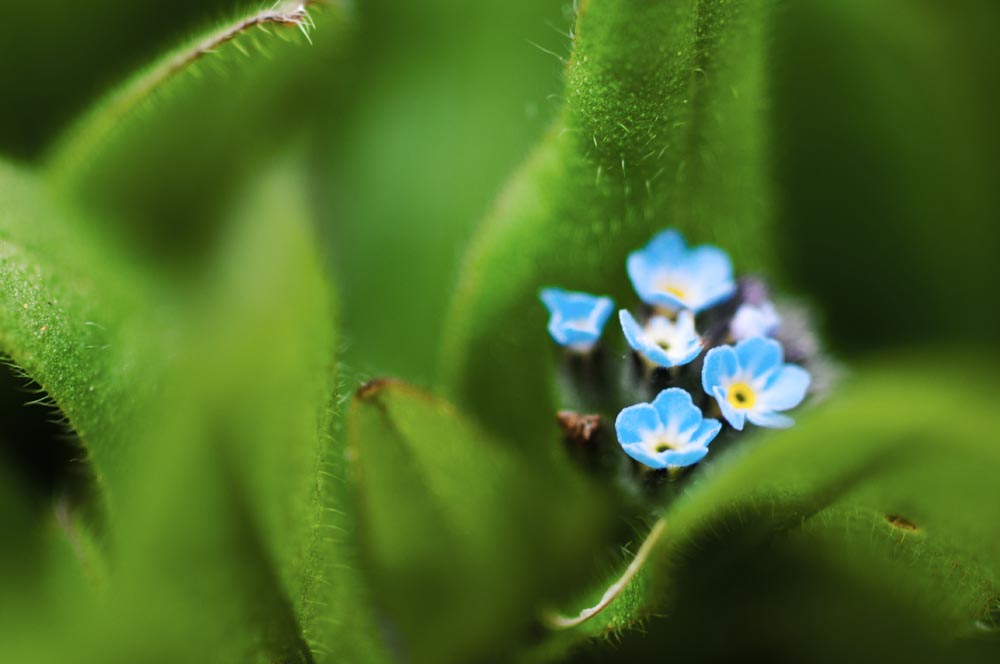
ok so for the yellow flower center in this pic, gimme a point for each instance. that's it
(670, 289)
(741, 395)
(662, 446)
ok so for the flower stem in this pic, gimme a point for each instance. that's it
(556, 621)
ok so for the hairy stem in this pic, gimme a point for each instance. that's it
(556, 621)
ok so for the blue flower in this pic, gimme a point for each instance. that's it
(662, 342)
(751, 382)
(665, 273)
(669, 432)
(577, 319)
(754, 320)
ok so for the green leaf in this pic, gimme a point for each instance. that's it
(53, 58)
(67, 318)
(164, 155)
(663, 126)
(207, 409)
(457, 90)
(877, 503)
(463, 539)
(235, 490)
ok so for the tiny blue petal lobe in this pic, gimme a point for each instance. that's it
(576, 319)
(759, 355)
(721, 366)
(636, 422)
(786, 388)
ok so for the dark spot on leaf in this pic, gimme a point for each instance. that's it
(371, 389)
(897, 521)
(578, 428)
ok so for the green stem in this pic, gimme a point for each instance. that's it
(556, 621)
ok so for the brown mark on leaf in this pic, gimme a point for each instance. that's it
(578, 428)
(371, 389)
(901, 522)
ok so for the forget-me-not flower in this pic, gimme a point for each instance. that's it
(668, 432)
(754, 320)
(576, 319)
(666, 273)
(662, 342)
(752, 382)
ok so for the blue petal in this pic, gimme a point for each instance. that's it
(755, 321)
(786, 388)
(770, 419)
(758, 356)
(706, 432)
(576, 318)
(677, 410)
(602, 312)
(550, 297)
(643, 272)
(666, 247)
(721, 365)
(710, 265)
(636, 337)
(634, 334)
(684, 457)
(665, 300)
(736, 418)
(694, 352)
(635, 422)
(715, 294)
(665, 251)
(641, 454)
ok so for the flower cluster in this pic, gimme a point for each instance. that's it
(699, 327)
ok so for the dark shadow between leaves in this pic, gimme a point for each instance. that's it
(42, 452)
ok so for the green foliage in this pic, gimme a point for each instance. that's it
(58, 55)
(452, 516)
(407, 169)
(163, 155)
(887, 164)
(69, 303)
(888, 490)
(251, 362)
(163, 286)
(663, 126)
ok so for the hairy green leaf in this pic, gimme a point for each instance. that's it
(889, 490)
(54, 63)
(663, 126)
(68, 318)
(208, 420)
(463, 538)
(163, 155)
(237, 491)
(444, 99)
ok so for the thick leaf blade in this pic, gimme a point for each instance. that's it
(163, 156)
(889, 489)
(237, 490)
(663, 127)
(457, 530)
